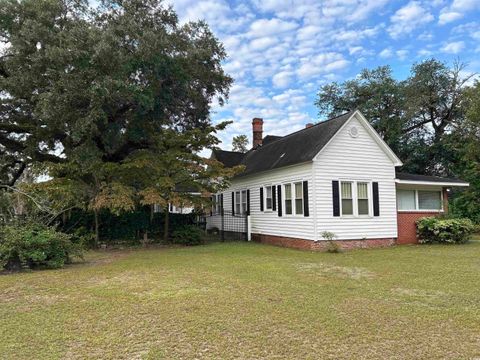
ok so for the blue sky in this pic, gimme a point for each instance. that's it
(281, 51)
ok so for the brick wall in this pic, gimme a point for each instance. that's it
(407, 229)
(320, 245)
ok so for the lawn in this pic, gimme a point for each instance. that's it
(245, 300)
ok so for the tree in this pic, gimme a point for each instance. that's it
(413, 115)
(463, 143)
(79, 80)
(240, 143)
(86, 90)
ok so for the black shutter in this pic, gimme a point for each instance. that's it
(274, 198)
(221, 204)
(306, 211)
(336, 198)
(233, 203)
(279, 196)
(248, 202)
(211, 206)
(261, 199)
(376, 200)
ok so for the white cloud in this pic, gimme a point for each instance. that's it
(453, 47)
(265, 27)
(282, 79)
(386, 53)
(402, 54)
(263, 42)
(322, 63)
(457, 10)
(408, 18)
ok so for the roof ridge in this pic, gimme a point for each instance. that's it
(315, 125)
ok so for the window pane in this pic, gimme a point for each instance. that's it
(288, 207)
(406, 199)
(346, 190)
(288, 191)
(347, 207)
(362, 189)
(299, 206)
(429, 200)
(298, 191)
(244, 201)
(362, 206)
(268, 197)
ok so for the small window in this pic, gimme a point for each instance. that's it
(238, 203)
(288, 199)
(218, 207)
(347, 198)
(268, 197)
(298, 198)
(429, 200)
(406, 199)
(244, 201)
(362, 195)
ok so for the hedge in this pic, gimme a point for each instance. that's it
(445, 231)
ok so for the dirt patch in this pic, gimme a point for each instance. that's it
(356, 273)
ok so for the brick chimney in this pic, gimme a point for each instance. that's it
(257, 128)
(309, 125)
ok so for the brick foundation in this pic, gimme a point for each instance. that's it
(320, 245)
(407, 228)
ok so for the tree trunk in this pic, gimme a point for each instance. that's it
(165, 228)
(97, 235)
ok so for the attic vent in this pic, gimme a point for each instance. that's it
(353, 132)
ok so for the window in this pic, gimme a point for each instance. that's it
(362, 198)
(347, 198)
(406, 199)
(244, 202)
(218, 208)
(238, 203)
(298, 198)
(268, 197)
(414, 200)
(429, 200)
(288, 199)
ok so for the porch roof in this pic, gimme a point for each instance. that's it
(404, 178)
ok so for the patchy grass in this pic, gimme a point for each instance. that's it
(240, 300)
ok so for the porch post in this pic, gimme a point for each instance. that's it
(445, 200)
(249, 228)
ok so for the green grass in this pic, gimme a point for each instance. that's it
(244, 300)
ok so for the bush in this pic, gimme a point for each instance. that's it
(444, 231)
(33, 245)
(188, 235)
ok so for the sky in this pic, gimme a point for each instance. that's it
(281, 51)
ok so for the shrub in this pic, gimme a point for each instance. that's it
(332, 246)
(188, 235)
(33, 245)
(445, 231)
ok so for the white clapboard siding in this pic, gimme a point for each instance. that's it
(354, 158)
(268, 222)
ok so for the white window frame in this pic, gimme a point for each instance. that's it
(417, 204)
(284, 198)
(243, 201)
(355, 198)
(265, 197)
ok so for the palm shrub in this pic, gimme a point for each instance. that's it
(35, 245)
(446, 231)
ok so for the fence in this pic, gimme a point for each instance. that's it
(230, 226)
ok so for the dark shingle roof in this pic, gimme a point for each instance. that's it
(228, 158)
(295, 148)
(270, 138)
(426, 178)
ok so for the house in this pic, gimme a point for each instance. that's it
(337, 176)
